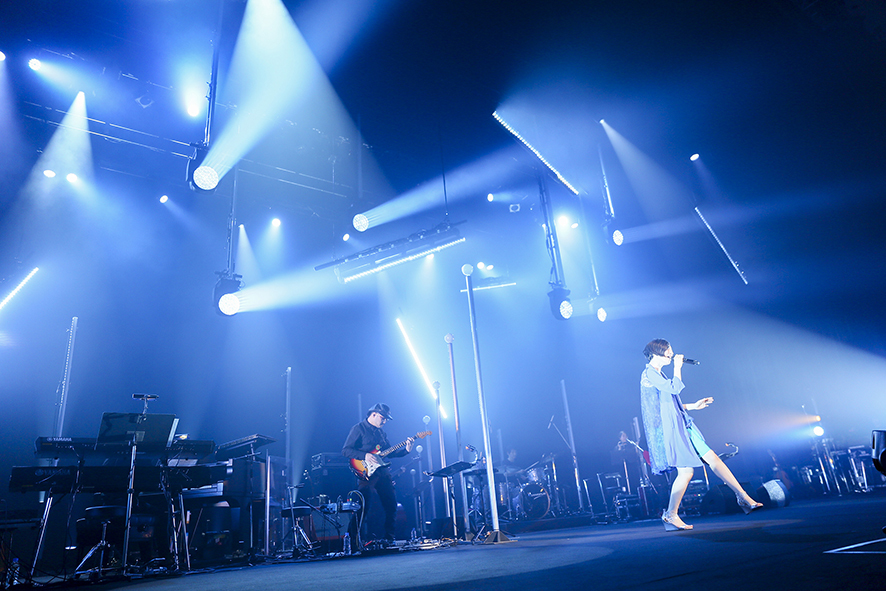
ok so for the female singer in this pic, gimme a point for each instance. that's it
(674, 442)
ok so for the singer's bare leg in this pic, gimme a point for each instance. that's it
(725, 474)
(678, 489)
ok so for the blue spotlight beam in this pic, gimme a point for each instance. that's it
(723, 248)
(421, 369)
(18, 288)
(538, 155)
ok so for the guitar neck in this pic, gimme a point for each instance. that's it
(391, 449)
(421, 435)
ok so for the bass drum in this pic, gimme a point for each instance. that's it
(535, 502)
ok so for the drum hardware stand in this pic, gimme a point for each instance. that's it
(555, 489)
(512, 512)
(302, 546)
(101, 547)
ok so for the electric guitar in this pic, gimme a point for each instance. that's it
(364, 470)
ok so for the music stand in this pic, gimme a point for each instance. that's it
(151, 432)
(448, 472)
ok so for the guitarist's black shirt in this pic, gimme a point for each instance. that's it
(365, 437)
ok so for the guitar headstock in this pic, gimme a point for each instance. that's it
(422, 434)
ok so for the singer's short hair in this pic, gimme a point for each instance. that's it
(656, 347)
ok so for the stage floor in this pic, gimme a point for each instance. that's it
(828, 543)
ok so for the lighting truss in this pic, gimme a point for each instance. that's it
(381, 257)
(538, 155)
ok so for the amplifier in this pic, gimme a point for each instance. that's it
(333, 481)
(321, 460)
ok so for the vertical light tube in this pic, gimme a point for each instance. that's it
(289, 476)
(495, 535)
(442, 447)
(66, 380)
(461, 450)
(581, 501)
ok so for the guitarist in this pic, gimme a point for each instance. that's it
(366, 438)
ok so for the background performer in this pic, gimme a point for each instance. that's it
(366, 438)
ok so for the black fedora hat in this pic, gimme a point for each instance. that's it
(382, 409)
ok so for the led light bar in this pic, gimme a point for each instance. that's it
(384, 256)
(18, 288)
(421, 368)
(534, 151)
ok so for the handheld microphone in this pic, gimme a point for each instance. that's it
(686, 360)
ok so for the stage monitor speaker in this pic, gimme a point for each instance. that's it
(878, 450)
(773, 494)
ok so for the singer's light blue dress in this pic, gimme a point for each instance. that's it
(671, 437)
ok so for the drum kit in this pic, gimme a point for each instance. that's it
(525, 494)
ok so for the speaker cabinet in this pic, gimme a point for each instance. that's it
(333, 481)
(773, 494)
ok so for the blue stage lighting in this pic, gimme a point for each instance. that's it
(2, 56)
(818, 430)
(34, 64)
(617, 238)
(225, 295)
(200, 177)
(561, 305)
(601, 314)
(361, 222)
(50, 174)
(71, 177)
(275, 222)
(694, 157)
(164, 198)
